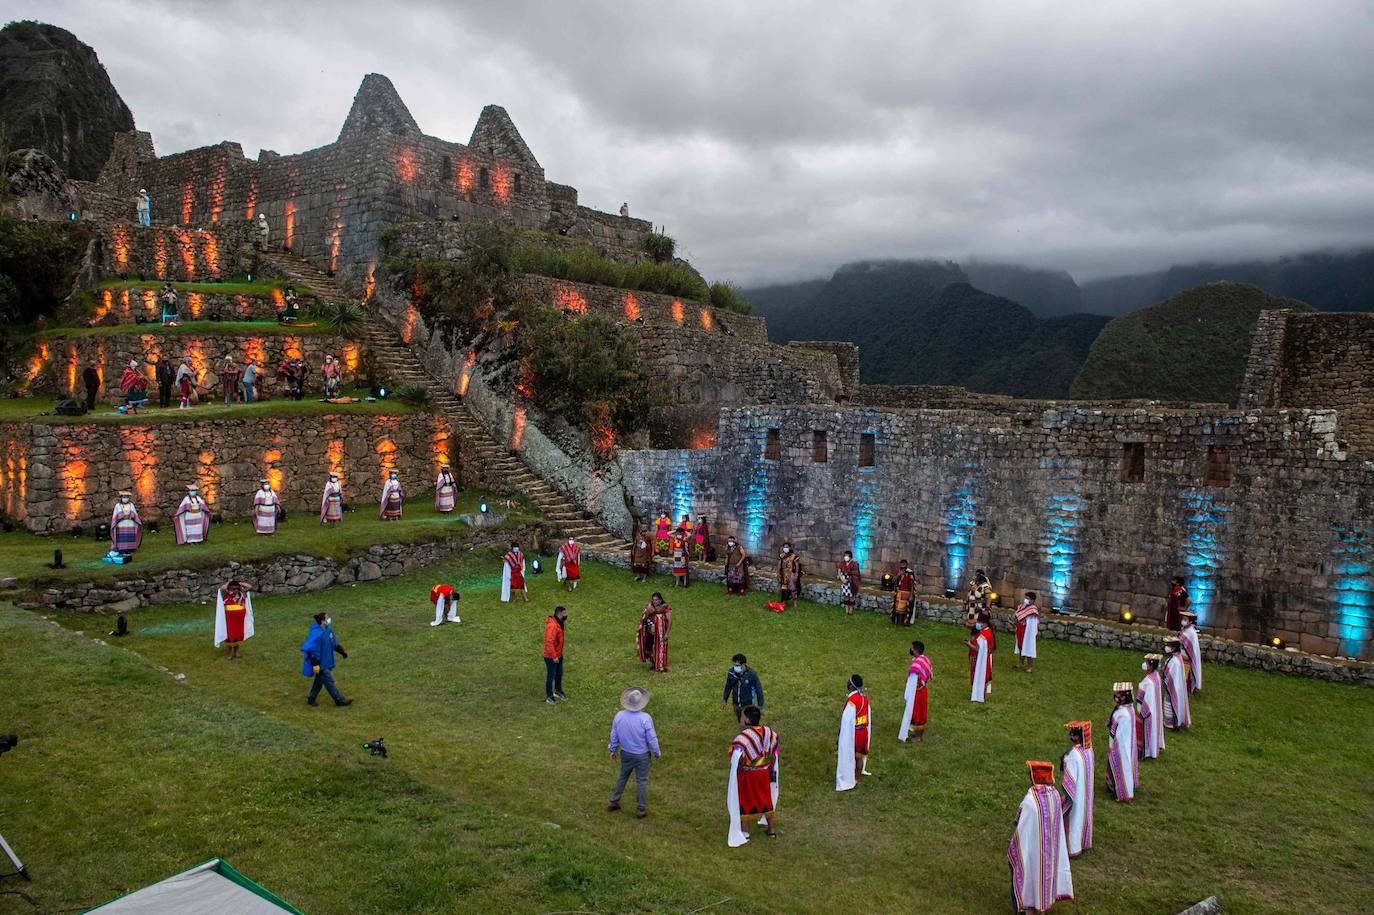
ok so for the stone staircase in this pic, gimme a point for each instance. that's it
(402, 367)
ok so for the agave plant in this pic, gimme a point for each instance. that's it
(346, 319)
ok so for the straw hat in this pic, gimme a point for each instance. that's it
(634, 698)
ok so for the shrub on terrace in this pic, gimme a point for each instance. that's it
(727, 297)
(660, 247)
(584, 264)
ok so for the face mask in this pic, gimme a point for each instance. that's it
(329, 621)
(847, 557)
(1145, 666)
(978, 627)
(787, 549)
(731, 543)
(737, 669)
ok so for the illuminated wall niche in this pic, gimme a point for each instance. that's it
(40, 359)
(138, 443)
(187, 245)
(677, 311)
(960, 518)
(207, 475)
(370, 288)
(707, 322)
(440, 441)
(72, 475)
(1059, 539)
(151, 309)
(250, 208)
(106, 303)
(14, 466)
(195, 304)
(501, 183)
(758, 492)
(210, 253)
(1352, 588)
(865, 510)
(334, 454)
(465, 376)
(631, 307)
(126, 311)
(405, 166)
(271, 464)
(1204, 523)
(350, 356)
(120, 241)
(72, 358)
(291, 347)
(569, 299)
(188, 198)
(465, 175)
(681, 483)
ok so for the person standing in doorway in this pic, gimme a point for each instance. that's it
(90, 377)
(632, 741)
(554, 629)
(319, 649)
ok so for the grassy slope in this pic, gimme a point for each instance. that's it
(1192, 346)
(27, 557)
(1266, 802)
(29, 409)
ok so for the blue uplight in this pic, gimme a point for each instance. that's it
(1204, 523)
(865, 509)
(1061, 534)
(959, 524)
(682, 490)
(758, 495)
(1352, 587)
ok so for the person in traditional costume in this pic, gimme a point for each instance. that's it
(445, 491)
(331, 375)
(1039, 852)
(1150, 708)
(789, 575)
(569, 564)
(904, 595)
(1027, 628)
(917, 697)
(980, 650)
(701, 548)
(1192, 651)
(848, 575)
(652, 641)
(233, 616)
(192, 518)
(681, 561)
(663, 531)
(265, 508)
(513, 574)
(1078, 766)
(134, 385)
(852, 752)
(1123, 761)
(752, 789)
(168, 298)
(445, 601)
(229, 376)
(736, 568)
(978, 598)
(126, 528)
(332, 503)
(641, 553)
(1177, 601)
(1177, 714)
(685, 529)
(393, 498)
(186, 382)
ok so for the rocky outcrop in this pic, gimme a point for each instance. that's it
(56, 97)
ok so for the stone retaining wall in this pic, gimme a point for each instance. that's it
(156, 252)
(124, 306)
(295, 574)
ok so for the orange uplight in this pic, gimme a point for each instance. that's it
(71, 368)
(384, 427)
(126, 312)
(291, 348)
(208, 476)
(335, 239)
(405, 166)
(217, 191)
(350, 356)
(73, 477)
(139, 444)
(39, 359)
(465, 175)
(408, 328)
(13, 474)
(210, 245)
(517, 429)
(278, 299)
(106, 303)
(194, 304)
(334, 453)
(524, 385)
(120, 242)
(569, 299)
(501, 183)
(188, 197)
(271, 471)
(677, 311)
(370, 288)
(186, 242)
(602, 434)
(465, 376)
(252, 349)
(706, 321)
(160, 256)
(291, 225)
(150, 306)
(704, 438)
(251, 207)
(151, 351)
(195, 348)
(631, 307)
(440, 442)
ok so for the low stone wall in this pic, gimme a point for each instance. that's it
(948, 397)
(294, 574)
(60, 372)
(624, 304)
(54, 477)
(218, 251)
(124, 306)
(1101, 633)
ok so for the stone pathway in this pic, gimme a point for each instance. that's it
(403, 368)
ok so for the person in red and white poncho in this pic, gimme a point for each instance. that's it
(917, 696)
(445, 601)
(1027, 628)
(753, 785)
(856, 721)
(569, 565)
(1039, 852)
(513, 574)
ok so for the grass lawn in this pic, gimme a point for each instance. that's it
(31, 409)
(492, 799)
(233, 287)
(27, 556)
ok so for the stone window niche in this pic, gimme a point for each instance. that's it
(820, 449)
(772, 445)
(448, 165)
(868, 447)
(516, 183)
(483, 177)
(1218, 467)
(1133, 462)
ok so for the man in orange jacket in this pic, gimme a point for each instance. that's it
(553, 655)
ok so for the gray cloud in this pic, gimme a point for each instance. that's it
(777, 140)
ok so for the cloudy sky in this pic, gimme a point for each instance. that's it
(777, 140)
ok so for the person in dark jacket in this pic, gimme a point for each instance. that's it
(166, 374)
(90, 377)
(319, 649)
(742, 686)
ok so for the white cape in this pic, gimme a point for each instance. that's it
(440, 606)
(1041, 886)
(558, 567)
(1078, 767)
(844, 764)
(1123, 751)
(1027, 647)
(1189, 636)
(1151, 692)
(910, 696)
(737, 836)
(222, 626)
(980, 673)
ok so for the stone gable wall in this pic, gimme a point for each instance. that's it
(1327, 360)
(55, 476)
(1041, 500)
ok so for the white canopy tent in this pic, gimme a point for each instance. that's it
(212, 888)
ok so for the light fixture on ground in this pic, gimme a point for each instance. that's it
(535, 566)
(482, 507)
(1127, 617)
(949, 593)
(887, 582)
(1277, 642)
(995, 598)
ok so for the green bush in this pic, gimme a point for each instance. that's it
(344, 318)
(660, 247)
(466, 293)
(584, 264)
(727, 297)
(417, 395)
(38, 263)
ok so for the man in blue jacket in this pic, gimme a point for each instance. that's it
(742, 686)
(319, 648)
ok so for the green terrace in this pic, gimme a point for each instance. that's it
(260, 287)
(39, 410)
(28, 557)
(192, 328)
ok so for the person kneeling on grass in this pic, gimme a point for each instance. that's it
(319, 649)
